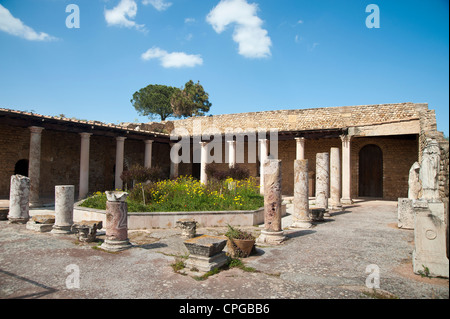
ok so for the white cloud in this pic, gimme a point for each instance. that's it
(14, 26)
(189, 20)
(159, 5)
(172, 60)
(122, 15)
(253, 40)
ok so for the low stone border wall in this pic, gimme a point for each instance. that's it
(168, 220)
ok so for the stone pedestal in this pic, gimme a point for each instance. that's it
(19, 197)
(335, 179)
(116, 222)
(205, 253)
(430, 239)
(64, 199)
(405, 213)
(322, 179)
(301, 218)
(272, 233)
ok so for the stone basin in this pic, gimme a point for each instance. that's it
(206, 245)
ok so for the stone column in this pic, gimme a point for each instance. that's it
(204, 159)
(346, 170)
(19, 197)
(84, 165)
(174, 159)
(232, 154)
(116, 222)
(335, 179)
(272, 233)
(148, 153)
(64, 199)
(322, 179)
(301, 218)
(300, 148)
(120, 146)
(34, 168)
(263, 151)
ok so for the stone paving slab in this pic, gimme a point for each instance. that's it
(326, 261)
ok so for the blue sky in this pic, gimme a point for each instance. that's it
(250, 55)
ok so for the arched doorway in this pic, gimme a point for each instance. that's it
(371, 171)
(21, 167)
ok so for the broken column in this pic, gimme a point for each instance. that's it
(322, 179)
(64, 199)
(301, 218)
(116, 222)
(335, 179)
(272, 233)
(429, 171)
(19, 197)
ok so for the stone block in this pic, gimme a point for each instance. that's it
(405, 213)
(430, 240)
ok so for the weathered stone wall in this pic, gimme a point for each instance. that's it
(305, 119)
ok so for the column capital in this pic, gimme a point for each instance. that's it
(300, 139)
(36, 129)
(148, 141)
(203, 143)
(346, 138)
(231, 142)
(85, 135)
(121, 138)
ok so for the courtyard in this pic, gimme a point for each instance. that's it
(328, 261)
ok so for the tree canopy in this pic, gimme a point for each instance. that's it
(166, 101)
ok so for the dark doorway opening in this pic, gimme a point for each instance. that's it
(371, 171)
(21, 167)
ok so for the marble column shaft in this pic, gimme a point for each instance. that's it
(346, 170)
(301, 218)
(263, 153)
(84, 165)
(322, 179)
(204, 161)
(19, 196)
(34, 168)
(64, 200)
(116, 222)
(335, 178)
(148, 153)
(300, 149)
(120, 148)
(232, 154)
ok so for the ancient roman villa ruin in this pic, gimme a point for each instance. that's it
(326, 156)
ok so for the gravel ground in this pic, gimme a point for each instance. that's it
(327, 261)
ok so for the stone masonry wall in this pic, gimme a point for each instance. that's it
(304, 119)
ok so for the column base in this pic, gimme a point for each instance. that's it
(271, 238)
(346, 201)
(115, 245)
(61, 230)
(14, 220)
(301, 224)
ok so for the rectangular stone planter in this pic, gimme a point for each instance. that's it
(169, 219)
